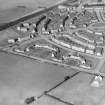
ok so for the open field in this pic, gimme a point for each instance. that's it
(22, 77)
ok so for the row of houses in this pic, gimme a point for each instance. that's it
(98, 51)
